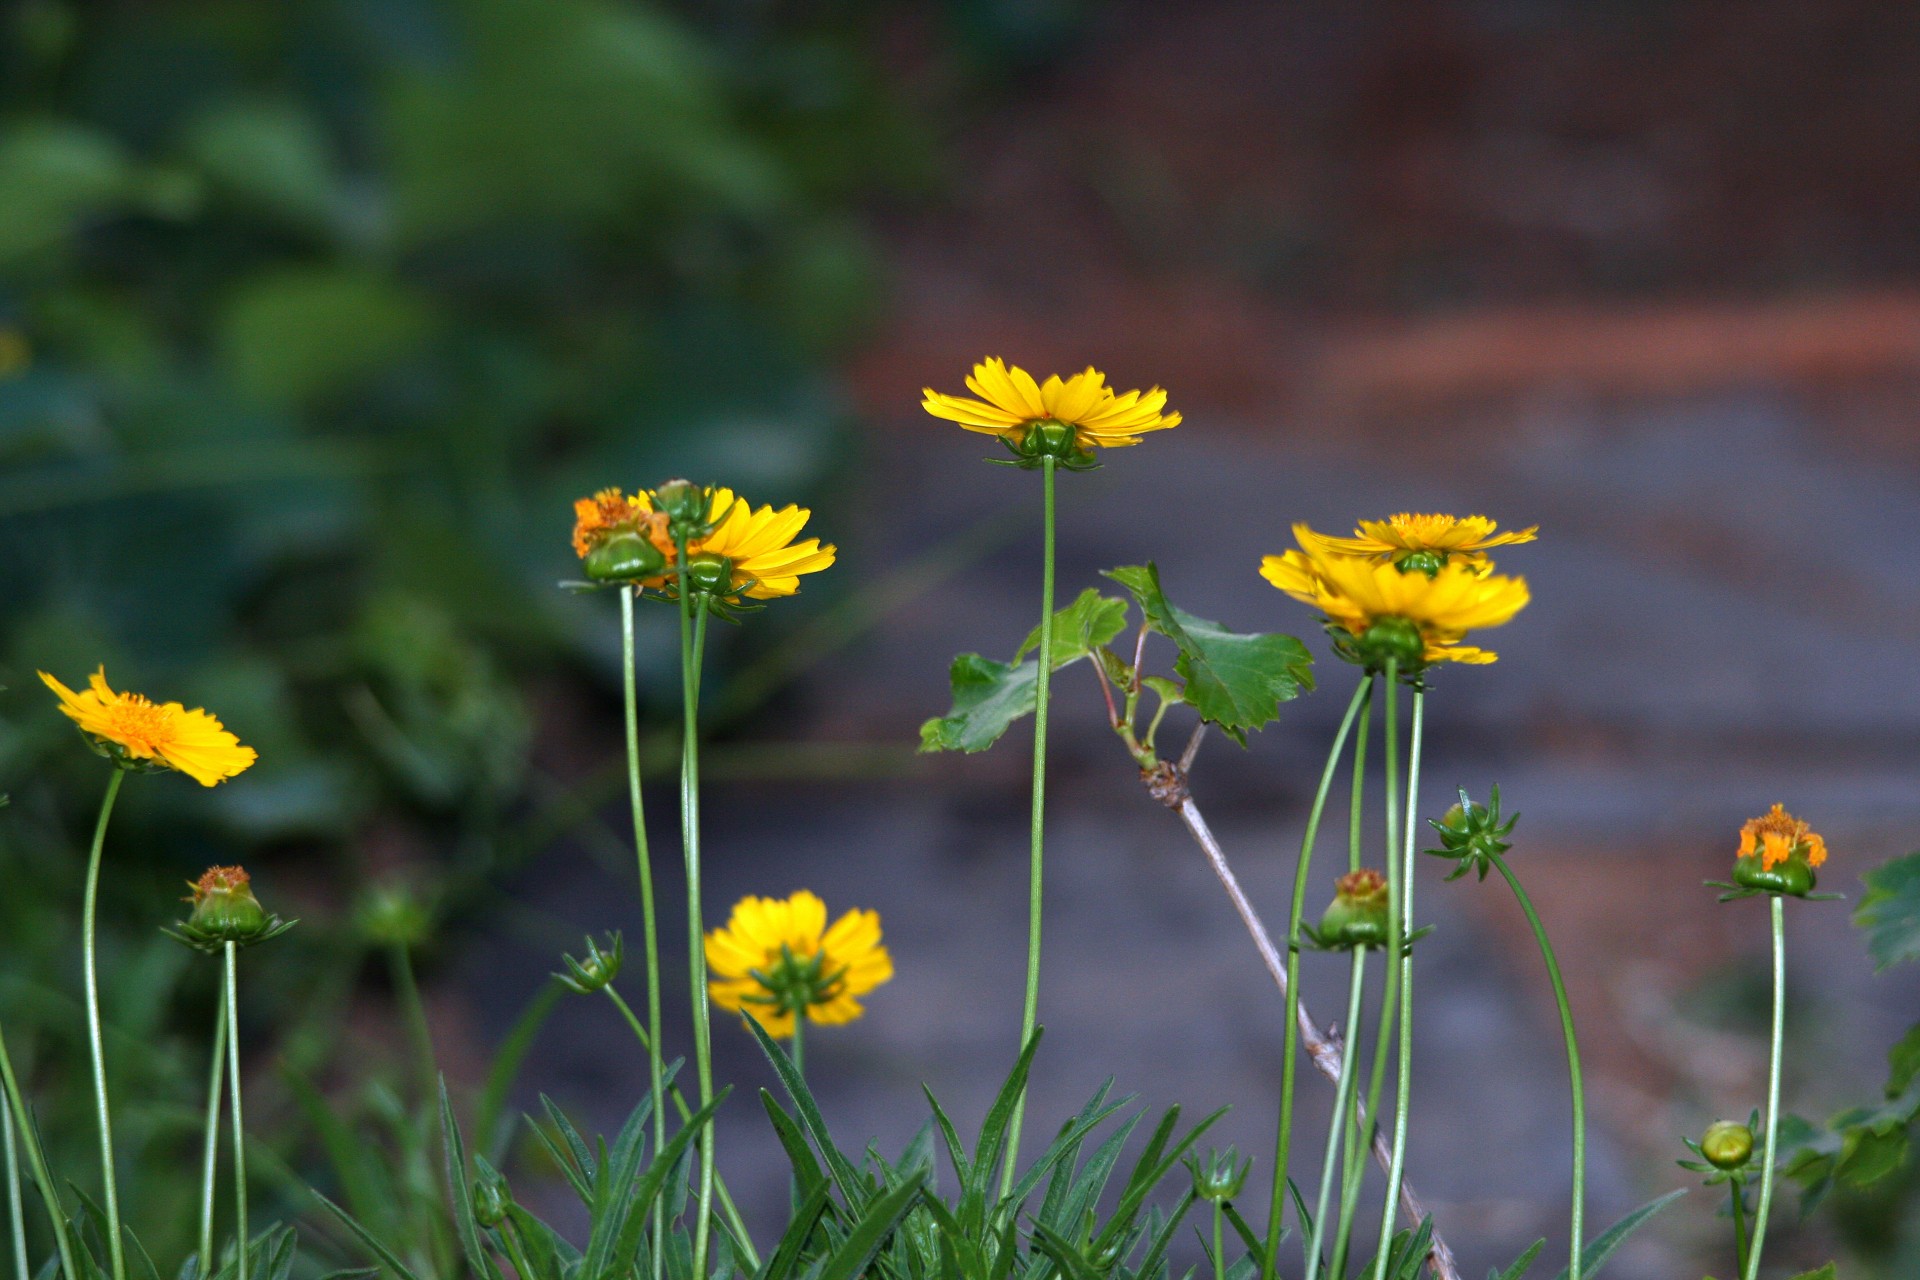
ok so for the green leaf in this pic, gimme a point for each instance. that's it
(1824, 1273)
(1889, 914)
(1521, 1265)
(989, 696)
(873, 1230)
(1083, 626)
(1601, 1247)
(387, 1256)
(1903, 1062)
(460, 1190)
(845, 1176)
(1235, 680)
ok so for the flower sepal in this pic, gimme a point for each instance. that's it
(626, 557)
(1218, 1178)
(1048, 438)
(599, 967)
(1473, 834)
(224, 911)
(1360, 915)
(1793, 878)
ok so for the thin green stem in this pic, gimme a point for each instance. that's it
(1738, 1186)
(1574, 1079)
(1399, 954)
(239, 1124)
(648, 924)
(693, 638)
(210, 1149)
(1042, 694)
(1289, 1053)
(1219, 1242)
(37, 1163)
(728, 1210)
(1764, 1209)
(1355, 824)
(516, 1252)
(1343, 1091)
(413, 1010)
(16, 1212)
(116, 1251)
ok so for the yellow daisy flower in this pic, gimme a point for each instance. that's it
(1775, 836)
(757, 544)
(1377, 605)
(777, 956)
(1439, 539)
(130, 728)
(1082, 411)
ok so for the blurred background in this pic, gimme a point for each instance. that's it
(315, 316)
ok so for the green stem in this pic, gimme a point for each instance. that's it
(1289, 1053)
(1219, 1242)
(648, 924)
(102, 1112)
(1399, 952)
(516, 1252)
(1764, 1209)
(1042, 695)
(1343, 1091)
(1739, 1189)
(1355, 825)
(1574, 1079)
(16, 1212)
(414, 1010)
(693, 639)
(728, 1210)
(239, 1125)
(210, 1151)
(799, 1054)
(37, 1163)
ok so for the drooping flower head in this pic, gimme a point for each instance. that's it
(738, 551)
(138, 733)
(1776, 836)
(778, 957)
(1421, 541)
(1065, 419)
(1376, 609)
(620, 538)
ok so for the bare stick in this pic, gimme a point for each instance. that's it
(1168, 784)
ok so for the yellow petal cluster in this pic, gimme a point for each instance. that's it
(763, 934)
(1463, 538)
(1356, 591)
(1011, 401)
(760, 543)
(192, 742)
(1776, 834)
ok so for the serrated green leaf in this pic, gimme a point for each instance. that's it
(1080, 628)
(1601, 1247)
(1235, 680)
(1889, 914)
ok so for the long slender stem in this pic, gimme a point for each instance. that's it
(1289, 1052)
(37, 1162)
(210, 1149)
(1343, 1090)
(648, 924)
(16, 1212)
(1574, 1079)
(728, 1210)
(1219, 1242)
(799, 1054)
(693, 637)
(116, 1251)
(1355, 818)
(1403, 953)
(239, 1124)
(1738, 1186)
(1764, 1209)
(1042, 693)
(414, 1010)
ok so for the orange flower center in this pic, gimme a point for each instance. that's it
(1776, 834)
(139, 725)
(220, 880)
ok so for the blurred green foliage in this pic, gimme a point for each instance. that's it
(314, 318)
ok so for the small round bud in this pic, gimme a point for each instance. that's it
(491, 1198)
(597, 968)
(1220, 1176)
(225, 911)
(682, 502)
(390, 915)
(1397, 639)
(625, 557)
(1727, 1144)
(1794, 877)
(709, 574)
(1360, 914)
(1427, 562)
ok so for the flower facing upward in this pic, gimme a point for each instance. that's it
(1064, 418)
(1429, 541)
(1378, 609)
(225, 911)
(778, 956)
(135, 732)
(1777, 836)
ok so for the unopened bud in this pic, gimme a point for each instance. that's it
(1220, 1176)
(1360, 915)
(624, 557)
(1727, 1144)
(684, 504)
(709, 574)
(225, 911)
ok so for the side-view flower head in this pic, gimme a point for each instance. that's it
(777, 957)
(1065, 418)
(1777, 835)
(1379, 609)
(620, 537)
(225, 910)
(1420, 541)
(137, 733)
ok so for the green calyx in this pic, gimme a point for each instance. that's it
(709, 574)
(225, 911)
(1360, 914)
(624, 557)
(1794, 877)
(1427, 562)
(1473, 834)
(597, 968)
(492, 1197)
(1389, 639)
(1220, 1176)
(796, 983)
(1050, 438)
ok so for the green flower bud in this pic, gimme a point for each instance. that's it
(1794, 877)
(1220, 1176)
(1360, 914)
(491, 1196)
(1427, 562)
(1473, 834)
(1727, 1144)
(597, 969)
(225, 910)
(709, 574)
(1397, 639)
(391, 915)
(624, 557)
(686, 506)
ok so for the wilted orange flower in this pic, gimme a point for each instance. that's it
(1776, 834)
